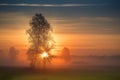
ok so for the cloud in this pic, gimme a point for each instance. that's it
(52, 5)
(97, 25)
(97, 19)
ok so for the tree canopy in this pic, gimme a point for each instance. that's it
(40, 37)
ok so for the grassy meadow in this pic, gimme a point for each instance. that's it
(28, 74)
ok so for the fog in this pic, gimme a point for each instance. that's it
(11, 58)
(14, 57)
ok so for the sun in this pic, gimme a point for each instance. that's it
(44, 55)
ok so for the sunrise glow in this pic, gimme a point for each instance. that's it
(44, 55)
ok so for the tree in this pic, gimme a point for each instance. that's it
(13, 52)
(40, 38)
(66, 54)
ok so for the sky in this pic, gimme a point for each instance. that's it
(86, 27)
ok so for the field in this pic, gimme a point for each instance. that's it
(28, 74)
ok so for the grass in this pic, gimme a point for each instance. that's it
(23, 74)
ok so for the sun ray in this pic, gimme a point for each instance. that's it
(44, 55)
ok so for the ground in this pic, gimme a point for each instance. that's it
(28, 74)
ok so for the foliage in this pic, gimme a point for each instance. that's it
(40, 38)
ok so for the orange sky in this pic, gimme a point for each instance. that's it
(83, 26)
(19, 39)
(78, 43)
(82, 35)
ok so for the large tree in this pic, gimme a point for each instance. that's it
(41, 40)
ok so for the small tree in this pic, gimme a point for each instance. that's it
(40, 38)
(66, 54)
(13, 52)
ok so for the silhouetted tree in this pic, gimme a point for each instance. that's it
(13, 52)
(2, 54)
(65, 53)
(40, 39)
